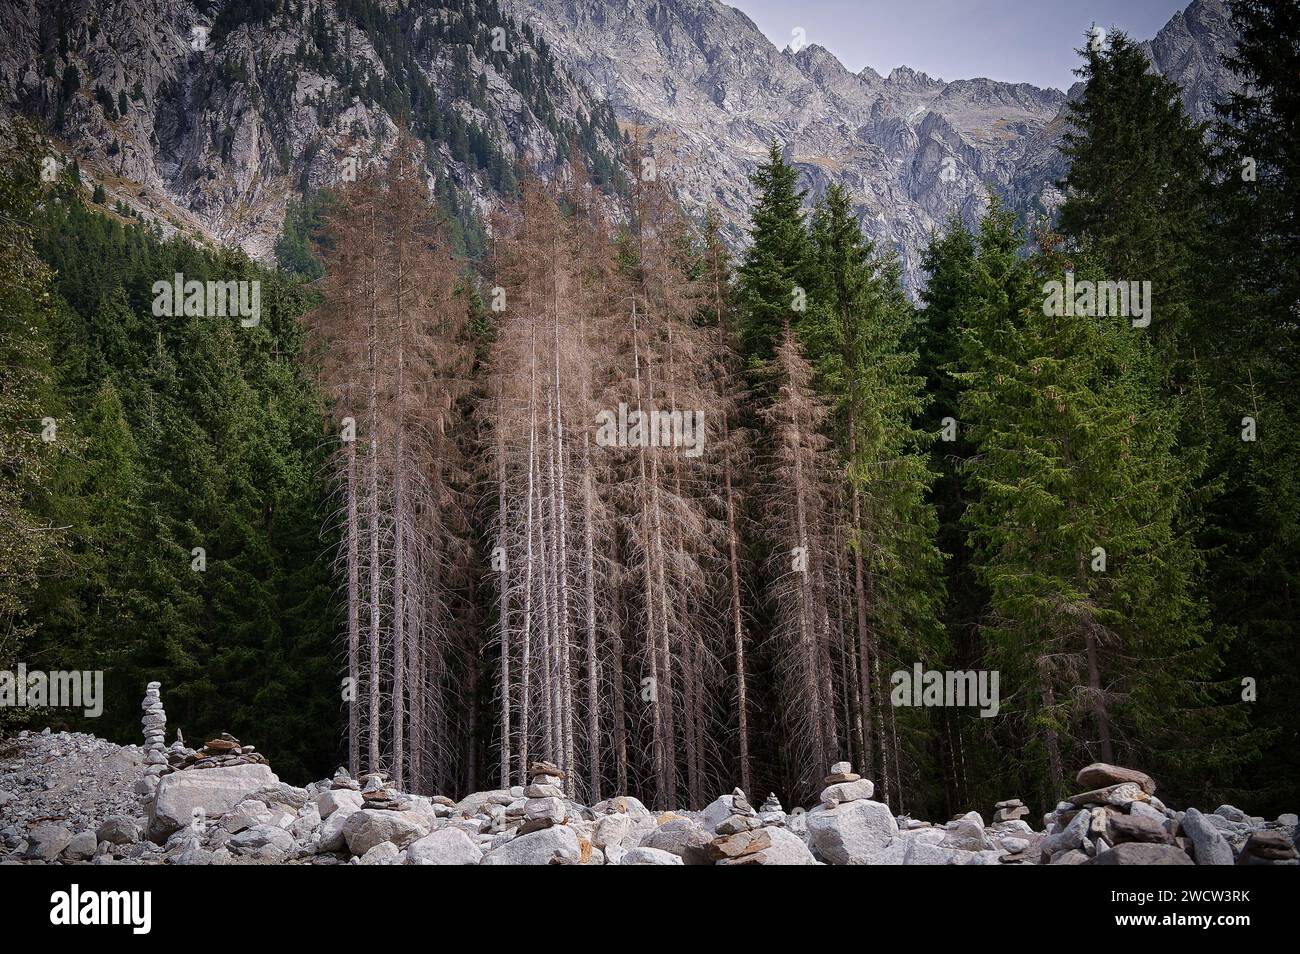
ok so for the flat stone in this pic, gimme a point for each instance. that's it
(836, 777)
(834, 795)
(1103, 775)
(1119, 795)
(1141, 853)
(1125, 828)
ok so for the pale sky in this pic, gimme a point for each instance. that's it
(1016, 41)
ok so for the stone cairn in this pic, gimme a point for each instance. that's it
(771, 811)
(741, 838)
(221, 752)
(154, 724)
(544, 805)
(1013, 809)
(842, 785)
(1119, 806)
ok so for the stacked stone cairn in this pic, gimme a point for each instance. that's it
(544, 805)
(771, 811)
(221, 752)
(842, 785)
(1119, 820)
(154, 725)
(1013, 832)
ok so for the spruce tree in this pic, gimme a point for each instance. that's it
(1136, 189)
(772, 282)
(1246, 405)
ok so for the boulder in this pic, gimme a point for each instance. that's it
(82, 847)
(331, 801)
(331, 829)
(1231, 814)
(783, 849)
(965, 835)
(1120, 795)
(118, 830)
(1070, 838)
(1124, 828)
(260, 836)
(446, 846)
(384, 853)
(611, 830)
(684, 838)
(555, 845)
(281, 795)
(1102, 775)
(46, 842)
(841, 792)
(1209, 847)
(1262, 848)
(211, 792)
(850, 832)
(649, 856)
(477, 802)
(369, 827)
(623, 805)
(1141, 853)
(717, 811)
(1075, 856)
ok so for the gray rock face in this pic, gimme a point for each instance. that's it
(213, 792)
(221, 137)
(850, 833)
(708, 92)
(1208, 844)
(446, 846)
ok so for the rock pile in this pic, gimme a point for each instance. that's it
(222, 752)
(67, 800)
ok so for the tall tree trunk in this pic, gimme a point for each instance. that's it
(354, 611)
(503, 597)
(588, 557)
